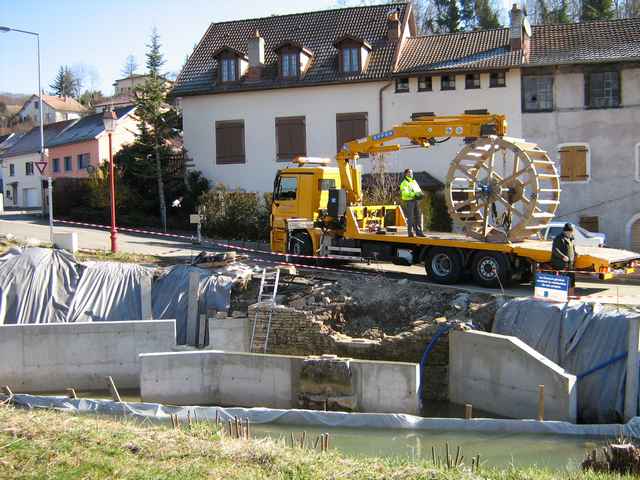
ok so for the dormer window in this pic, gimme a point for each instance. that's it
(353, 53)
(293, 59)
(229, 68)
(232, 64)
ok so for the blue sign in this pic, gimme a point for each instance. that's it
(552, 287)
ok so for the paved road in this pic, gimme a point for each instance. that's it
(24, 227)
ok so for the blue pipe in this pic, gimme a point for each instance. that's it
(425, 356)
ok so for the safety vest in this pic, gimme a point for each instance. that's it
(408, 189)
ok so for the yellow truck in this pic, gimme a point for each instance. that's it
(501, 190)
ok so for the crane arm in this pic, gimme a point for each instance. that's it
(422, 131)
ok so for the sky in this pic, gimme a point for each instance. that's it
(95, 37)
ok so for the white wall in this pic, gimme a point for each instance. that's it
(319, 105)
(24, 181)
(258, 110)
(398, 108)
(612, 135)
(52, 357)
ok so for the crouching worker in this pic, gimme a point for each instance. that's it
(563, 254)
(411, 193)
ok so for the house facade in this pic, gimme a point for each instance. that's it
(74, 149)
(56, 109)
(257, 93)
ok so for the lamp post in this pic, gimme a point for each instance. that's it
(110, 120)
(42, 151)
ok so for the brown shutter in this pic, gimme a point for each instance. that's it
(635, 236)
(291, 138)
(573, 163)
(350, 126)
(590, 223)
(230, 142)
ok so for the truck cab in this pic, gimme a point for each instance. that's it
(299, 193)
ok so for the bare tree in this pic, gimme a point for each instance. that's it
(130, 66)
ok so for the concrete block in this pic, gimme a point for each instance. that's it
(53, 357)
(66, 240)
(230, 334)
(501, 374)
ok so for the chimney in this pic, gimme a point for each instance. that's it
(393, 25)
(516, 30)
(255, 47)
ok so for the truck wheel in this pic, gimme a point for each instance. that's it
(300, 244)
(490, 269)
(443, 265)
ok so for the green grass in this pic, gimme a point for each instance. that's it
(37, 444)
(106, 256)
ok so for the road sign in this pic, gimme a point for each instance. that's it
(41, 166)
(552, 287)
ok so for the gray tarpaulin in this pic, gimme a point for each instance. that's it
(330, 419)
(579, 337)
(170, 295)
(37, 285)
(42, 285)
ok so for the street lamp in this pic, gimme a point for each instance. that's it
(109, 118)
(4, 29)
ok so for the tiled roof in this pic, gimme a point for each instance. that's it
(586, 42)
(63, 104)
(87, 128)
(30, 141)
(316, 31)
(116, 101)
(478, 50)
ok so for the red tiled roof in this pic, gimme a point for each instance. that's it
(63, 104)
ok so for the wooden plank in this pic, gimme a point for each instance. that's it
(145, 297)
(193, 300)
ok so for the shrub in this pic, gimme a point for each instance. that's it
(235, 214)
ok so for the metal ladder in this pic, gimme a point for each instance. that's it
(267, 294)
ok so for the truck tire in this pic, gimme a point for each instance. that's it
(300, 244)
(491, 269)
(443, 265)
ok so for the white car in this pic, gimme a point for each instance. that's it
(582, 237)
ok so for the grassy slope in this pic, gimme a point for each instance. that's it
(47, 444)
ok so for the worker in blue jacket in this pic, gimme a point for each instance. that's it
(410, 194)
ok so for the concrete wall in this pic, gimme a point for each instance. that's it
(501, 374)
(230, 334)
(52, 357)
(254, 380)
(612, 137)
(23, 180)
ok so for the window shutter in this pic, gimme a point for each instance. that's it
(230, 142)
(291, 138)
(590, 223)
(573, 163)
(350, 126)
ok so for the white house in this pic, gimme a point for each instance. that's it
(56, 109)
(256, 93)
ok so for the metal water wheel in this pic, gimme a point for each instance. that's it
(502, 189)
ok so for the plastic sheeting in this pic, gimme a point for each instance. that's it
(37, 285)
(578, 337)
(161, 412)
(41, 285)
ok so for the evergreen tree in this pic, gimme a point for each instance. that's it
(130, 66)
(597, 10)
(66, 84)
(448, 16)
(486, 16)
(155, 59)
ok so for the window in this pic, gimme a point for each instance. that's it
(291, 138)
(350, 126)
(574, 162)
(228, 69)
(67, 164)
(591, 224)
(602, 89)
(638, 162)
(36, 105)
(498, 79)
(289, 64)
(56, 165)
(12, 170)
(537, 93)
(402, 85)
(230, 142)
(83, 161)
(350, 59)
(472, 80)
(448, 82)
(287, 187)
(424, 84)
(28, 168)
(326, 184)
